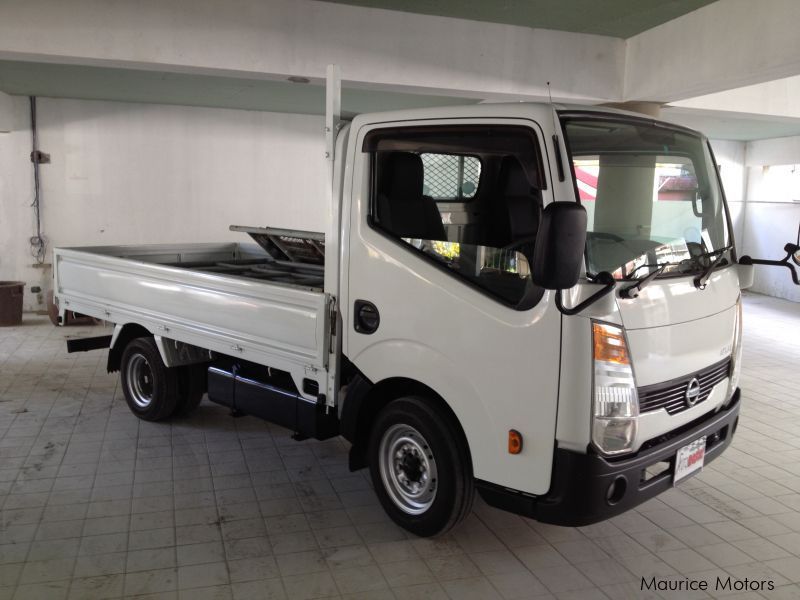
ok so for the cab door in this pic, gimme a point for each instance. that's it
(442, 223)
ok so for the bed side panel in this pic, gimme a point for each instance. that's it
(261, 322)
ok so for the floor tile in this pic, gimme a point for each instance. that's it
(98, 504)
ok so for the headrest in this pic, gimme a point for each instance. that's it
(514, 181)
(401, 175)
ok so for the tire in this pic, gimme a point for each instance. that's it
(191, 387)
(150, 388)
(429, 489)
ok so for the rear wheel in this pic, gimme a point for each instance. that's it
(420, 467)
(150, 388)
(191, 387)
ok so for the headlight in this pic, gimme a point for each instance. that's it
(736, 351)
(615, 402)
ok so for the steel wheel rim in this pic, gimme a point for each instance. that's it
(408, 469)
(139, 380)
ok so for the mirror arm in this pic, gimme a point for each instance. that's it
(790, 249)
(605, 278)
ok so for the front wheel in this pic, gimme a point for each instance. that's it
(150, 388)
(420, 466)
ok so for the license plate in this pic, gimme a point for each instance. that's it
(689, 459)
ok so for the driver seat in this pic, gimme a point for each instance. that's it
(402, 208)
(517, 215)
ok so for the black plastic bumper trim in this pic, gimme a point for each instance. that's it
(580, 485)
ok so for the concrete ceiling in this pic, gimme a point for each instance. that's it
(616, 18)
(132, 85)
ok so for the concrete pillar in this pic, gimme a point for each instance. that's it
(618, 182)
(623, 177)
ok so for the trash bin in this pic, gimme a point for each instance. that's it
(11, 302)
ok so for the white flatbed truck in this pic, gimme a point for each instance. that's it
(537, 302)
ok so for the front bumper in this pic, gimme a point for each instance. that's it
(580, 491)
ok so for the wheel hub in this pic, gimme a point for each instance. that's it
(408, 469)
(139, 380)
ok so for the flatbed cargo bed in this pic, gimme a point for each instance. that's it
(261, 303)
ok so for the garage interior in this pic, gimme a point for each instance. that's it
(169, 121)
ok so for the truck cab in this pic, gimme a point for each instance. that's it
(539, 303)
(445, 219)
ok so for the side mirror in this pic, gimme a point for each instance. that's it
(792, 253)
(560, 244)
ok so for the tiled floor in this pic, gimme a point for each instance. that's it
(96, 504)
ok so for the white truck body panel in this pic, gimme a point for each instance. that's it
(496, 367)
(266, 323)
(668, 302)
(670, 351)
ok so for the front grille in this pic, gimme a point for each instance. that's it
(671, 395)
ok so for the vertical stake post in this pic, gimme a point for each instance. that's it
(333, 112)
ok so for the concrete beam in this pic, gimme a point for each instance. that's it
(279, 38)
(780, 98)
(718, 47)
(6, 113)
(651, 109)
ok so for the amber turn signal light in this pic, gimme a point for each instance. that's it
(514, 441)
(609, 344)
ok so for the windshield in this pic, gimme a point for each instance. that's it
(651, 195)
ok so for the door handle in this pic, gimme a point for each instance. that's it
(366, 317)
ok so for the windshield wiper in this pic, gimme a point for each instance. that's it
(632, 291)
(630, 276)
(701, 280)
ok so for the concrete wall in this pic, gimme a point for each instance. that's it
(772, 220)
(777, 151)
(16, 193)
(764, 216)
(135, 173)
(769, 227)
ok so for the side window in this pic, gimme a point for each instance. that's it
(468, 198)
